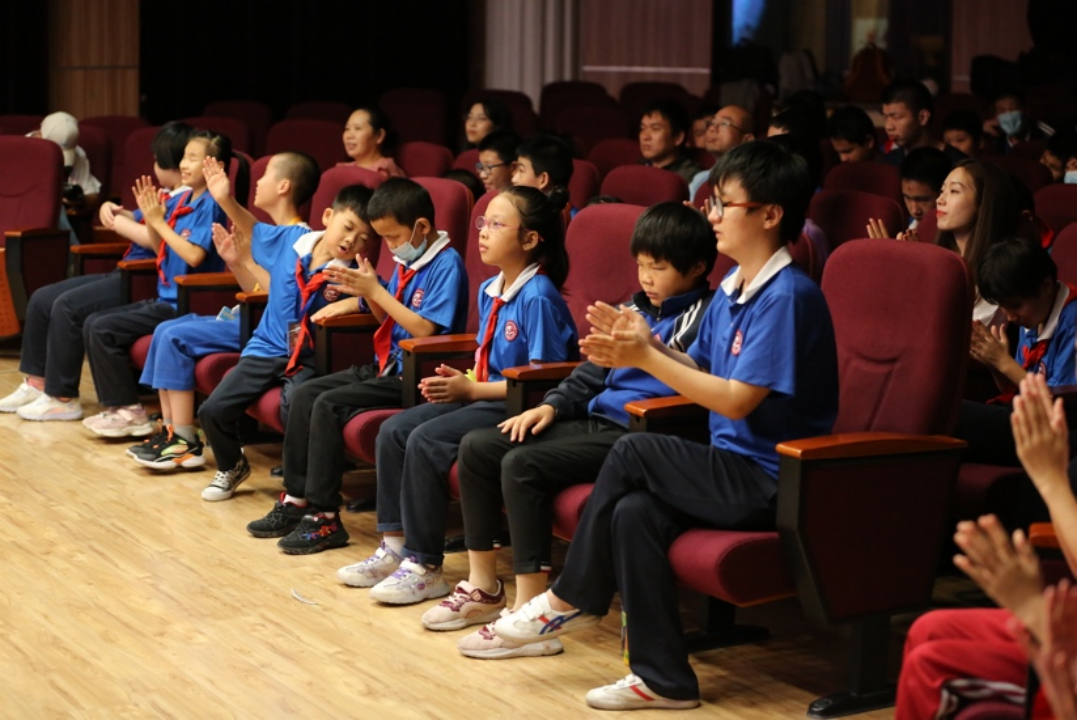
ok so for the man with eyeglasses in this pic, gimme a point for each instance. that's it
(497, 160)
(731, 126)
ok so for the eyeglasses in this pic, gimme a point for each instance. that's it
(716, 206)
(726, 123)
(494, 225)
(485, 169)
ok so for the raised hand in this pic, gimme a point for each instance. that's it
(1054, 652)
(1041, 435)
(988, 346)
(149, 200)
(910, 235)
(877, 229)
(448, 385)
(228, 244)
(361, 281)
(1008, 572)
(216, 179)
(531, 421)
(625, 346)
(107, 214)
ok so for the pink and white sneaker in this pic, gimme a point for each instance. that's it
(120, 422)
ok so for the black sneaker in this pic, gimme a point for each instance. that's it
(151, 445)
(281, 520)
(175, 452)
(315, 533)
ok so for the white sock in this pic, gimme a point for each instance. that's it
(394, 543)
(298, 502)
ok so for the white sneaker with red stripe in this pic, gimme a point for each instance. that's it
(631, 693)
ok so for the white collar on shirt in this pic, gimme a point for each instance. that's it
(305, 246)
(494, 289)
(1051, 325)
(178, 191)
(431, 252)
(772, 267)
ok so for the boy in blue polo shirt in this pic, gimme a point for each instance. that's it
(427, 295)
(288, 182)
(1020, 276)
(765, 365)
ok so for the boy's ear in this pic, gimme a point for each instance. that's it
(678, 139)
(327, 216)
(772, 215)
(544, 181)
(423, 227)
(1071, 164)
(284, 187)
(696, 271)
(924, 116)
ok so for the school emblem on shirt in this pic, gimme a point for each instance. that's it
(331, 294)
(1041, 369)
(738, 340)
(417, 299)
(511, 331)
(185, 233)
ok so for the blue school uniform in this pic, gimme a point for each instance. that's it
(277, 249)
(1057, 362)
(437, 292)
(669, 322)
(197, 228)
(533, 324)
(776, 334)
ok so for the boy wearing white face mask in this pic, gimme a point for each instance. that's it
(427, 295)
(1011, 126)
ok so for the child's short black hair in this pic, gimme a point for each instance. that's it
(302, 171)
(770, 173)
(502, 142)
(671, 110)
(548, 154)
(497, 112)
(603, 200)
(403, 200)
(169, 143)
(927, 165)
(355, 198)
(1014, 269)
(913, 93)
(468, 180)
(851, 124)
(1063, 145)
(805, 148)
(967, 121)
(674, 233)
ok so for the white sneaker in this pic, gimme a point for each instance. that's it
(23, 395)
(537, 621)
(368, 573)
(224, 483)
(485, 644)
(412, 582)
(631, 693)
(49, 408)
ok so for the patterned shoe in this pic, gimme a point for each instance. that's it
(281, 520)
(121, 422)
(468, 605)
(412, 582)
(23, 395)
(150, 446)
(631, 693)
(47, 408)
(314, 533)
(368, 573)
(485, 644)
(537, 621)
(225, 482)
(175, 452)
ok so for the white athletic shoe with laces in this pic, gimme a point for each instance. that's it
(23, 395)
(631, 693)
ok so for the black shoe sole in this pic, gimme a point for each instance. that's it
(282, 532)
(311, 549)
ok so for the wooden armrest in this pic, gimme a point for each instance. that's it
(458, 343)
(852, 445)
(138, 265)
(253, 298)
(32, 233)
(355, 320)
(1042, 535)
(103, 249)
(540, 371)
(207, 280)
(675, 406)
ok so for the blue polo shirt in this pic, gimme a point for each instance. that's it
(437, 293)
(776, 334)
(534, 324)
(1059, 363)
(197, 228)
(675, 323)
(277, 248)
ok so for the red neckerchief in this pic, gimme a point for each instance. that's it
(1047, 233)
(181, 209)
(307, 290)
(383, 336)
(1032, 355)
(482, 361)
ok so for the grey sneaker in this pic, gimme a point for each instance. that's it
(225, 482)
(412, 582)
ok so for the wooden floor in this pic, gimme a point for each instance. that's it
(124, 595)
